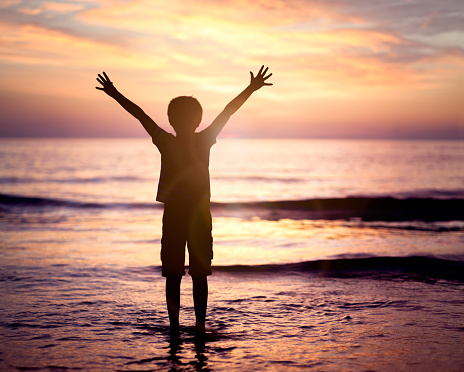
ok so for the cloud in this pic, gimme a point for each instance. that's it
(340, 50)
(240, 31)
(62, 18)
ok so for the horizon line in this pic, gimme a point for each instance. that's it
(379, 138)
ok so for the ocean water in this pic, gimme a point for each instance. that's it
(329, 255)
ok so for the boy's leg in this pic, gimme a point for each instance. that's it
(200, 244)
(173, 301)
(200, 300)
(172, 257)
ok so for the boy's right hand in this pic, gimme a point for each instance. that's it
(108, 86)
(259, 80)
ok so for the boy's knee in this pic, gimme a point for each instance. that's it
(169, 270)
(199, 278)
(174, 278)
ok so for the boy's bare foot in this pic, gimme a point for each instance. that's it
(200, 328)
(174, 329)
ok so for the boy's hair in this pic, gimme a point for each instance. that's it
(184, 112)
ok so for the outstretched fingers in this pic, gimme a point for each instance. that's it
(101, 82)
(104, 81)
(259, 80)
(101, 79)
(267, 77)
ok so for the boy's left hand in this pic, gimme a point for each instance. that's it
(108, 86)
(259, 80)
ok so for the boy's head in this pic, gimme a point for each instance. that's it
(184, 114)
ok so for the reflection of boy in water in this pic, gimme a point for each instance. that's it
(184, 188)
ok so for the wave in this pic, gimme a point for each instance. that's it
(13, 201)
(362, 208)
(350, 208)
(16, 180)
(259, 179)
(431, 194)
(421, 268)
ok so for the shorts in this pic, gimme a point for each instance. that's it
(187, 222)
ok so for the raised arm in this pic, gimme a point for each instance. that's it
(150, 126)
(256, 82)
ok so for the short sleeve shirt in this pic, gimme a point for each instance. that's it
(184, 171)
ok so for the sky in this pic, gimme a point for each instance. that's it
(341, 69)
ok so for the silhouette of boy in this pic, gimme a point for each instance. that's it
(184, 188)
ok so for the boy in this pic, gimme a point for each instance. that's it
(184, 188)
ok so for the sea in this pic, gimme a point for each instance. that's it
(329, 255)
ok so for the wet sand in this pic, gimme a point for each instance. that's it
(114, 319)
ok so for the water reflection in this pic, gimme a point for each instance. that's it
(178, 353)
(174, 351)
(201, 359)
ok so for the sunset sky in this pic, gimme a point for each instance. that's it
(342, 69)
